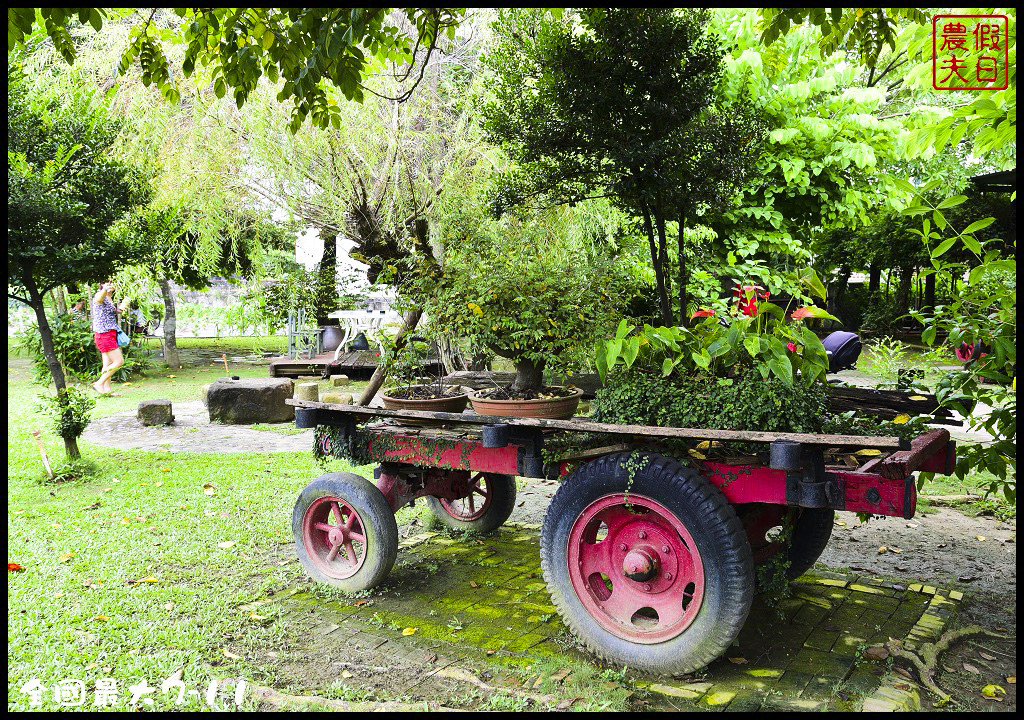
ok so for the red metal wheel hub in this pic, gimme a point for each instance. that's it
(636, 569)
(470, 507)
(334, 537)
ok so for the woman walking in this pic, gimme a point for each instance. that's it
(104, 328)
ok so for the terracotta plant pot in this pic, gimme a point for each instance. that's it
(453, 404)
(561, 408)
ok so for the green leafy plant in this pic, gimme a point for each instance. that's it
(75, 348)
(754, 336)
(69, 411)
(981, 319)
(532, 287)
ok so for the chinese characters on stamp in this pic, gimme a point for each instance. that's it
(970, 52)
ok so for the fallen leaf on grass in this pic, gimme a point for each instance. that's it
(93, 506)
(92, 584)
(992, 692)
(168, 606)
(473, 583)
(882, 550)
(165, 469)
(209, 489)
(409, 631)
(159, 484)
(107, 489)
(101, 618)
(67, 557)
(346, 674)
(981, 538)
(231, 655)
(14, 567)
(970, 668)
(985, 656)
(226, 544)
(149, 579)
(876, 652)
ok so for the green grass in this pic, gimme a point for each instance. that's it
(77, 610)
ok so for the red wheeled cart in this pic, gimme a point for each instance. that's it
(649, 560)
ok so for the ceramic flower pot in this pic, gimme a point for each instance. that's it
(558, 408)
(450, 404)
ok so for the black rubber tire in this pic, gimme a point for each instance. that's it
(811, 534)
(502, 503)
(717, 532)
(375, 516)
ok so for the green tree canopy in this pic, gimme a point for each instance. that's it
(303, 48)
(64, 192)
(623, 102)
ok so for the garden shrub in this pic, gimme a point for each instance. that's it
(75, 347)
(700, 401)
(70, 417)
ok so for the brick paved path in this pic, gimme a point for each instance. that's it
(484, 604)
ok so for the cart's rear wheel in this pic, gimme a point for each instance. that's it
(345, 532)
(812, 530)
(647, 563)
(490, 500)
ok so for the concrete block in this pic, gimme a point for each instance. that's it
(155, 412)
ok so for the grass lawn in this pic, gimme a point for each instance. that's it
(137, 571)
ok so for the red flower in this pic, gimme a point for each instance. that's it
(703, 313)
(802, 313)
(749, 309)
(791, 347)
(14, 567)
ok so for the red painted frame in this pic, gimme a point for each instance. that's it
(889, 494)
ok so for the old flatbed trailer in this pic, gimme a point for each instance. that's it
(649, 560)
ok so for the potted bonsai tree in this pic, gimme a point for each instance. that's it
(532, 287)
(412, 391)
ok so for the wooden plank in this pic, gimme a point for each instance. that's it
(900, 464)
(858, 441)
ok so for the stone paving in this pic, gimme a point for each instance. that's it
(193, 432)
(477, 603)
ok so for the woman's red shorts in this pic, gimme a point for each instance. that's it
(106, 342)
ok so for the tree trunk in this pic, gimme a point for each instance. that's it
(659, 269)
(666, 308)
(929, 292)
(170, 325)
(839, 292)
(52, 361)
(529, 375)
(60, 300)
(683, 300)
(874, 278)
(903, 286)
(410, 321)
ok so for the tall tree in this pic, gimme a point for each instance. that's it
(177, 254)
(306, 48)
(623, 102)
(64, 192)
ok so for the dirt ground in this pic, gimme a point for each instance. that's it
(940, 547)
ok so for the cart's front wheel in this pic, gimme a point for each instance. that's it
(647, 563)
(345, 532)
(490, 499)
